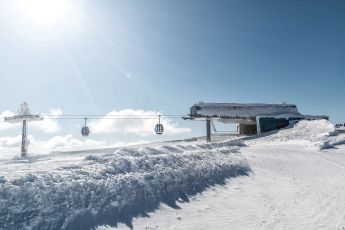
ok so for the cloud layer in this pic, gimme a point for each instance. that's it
(5, 125)
(10, 146)
(142, 124)
(49, 124)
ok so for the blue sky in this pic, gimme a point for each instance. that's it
(93, 57)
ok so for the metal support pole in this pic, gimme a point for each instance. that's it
(24, 140)
(208, 130)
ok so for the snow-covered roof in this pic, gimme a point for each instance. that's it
(243, 111)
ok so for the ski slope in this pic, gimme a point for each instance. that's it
(297, 182)
(288, 179)
(290, 188)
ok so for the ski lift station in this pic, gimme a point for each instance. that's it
(251, 119)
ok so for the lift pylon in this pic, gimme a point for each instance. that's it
(24, 115)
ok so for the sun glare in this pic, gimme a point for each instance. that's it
(45, 13)
(38, 18)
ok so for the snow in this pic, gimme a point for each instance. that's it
(318, 133)
(47, 193)
(294, 184)
(290, 188)
(286, 179)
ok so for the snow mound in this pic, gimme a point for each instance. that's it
(319, 134)
(111, 188)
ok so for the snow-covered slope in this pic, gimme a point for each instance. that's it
(290, 188)
(107, 188)
(80, 190)
(318, 133)
(293, 185)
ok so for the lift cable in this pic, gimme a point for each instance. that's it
(112, 115)
(112, 118)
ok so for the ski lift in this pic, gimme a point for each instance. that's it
(85, 131)
(159, 127)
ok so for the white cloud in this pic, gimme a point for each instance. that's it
(66, 142)
(5, 125)
(142, 127)
(49, 124)
(10, 141)
(10, 146)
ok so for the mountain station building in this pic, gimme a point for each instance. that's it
(251, 119)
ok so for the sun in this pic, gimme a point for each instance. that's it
(42, 14)
(43, 18)
(48, 20)
(45, 13)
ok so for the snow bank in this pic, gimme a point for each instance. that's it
(112, 188)
(318, 134)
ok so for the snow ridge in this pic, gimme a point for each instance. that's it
(315, 135)
(112, 188)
